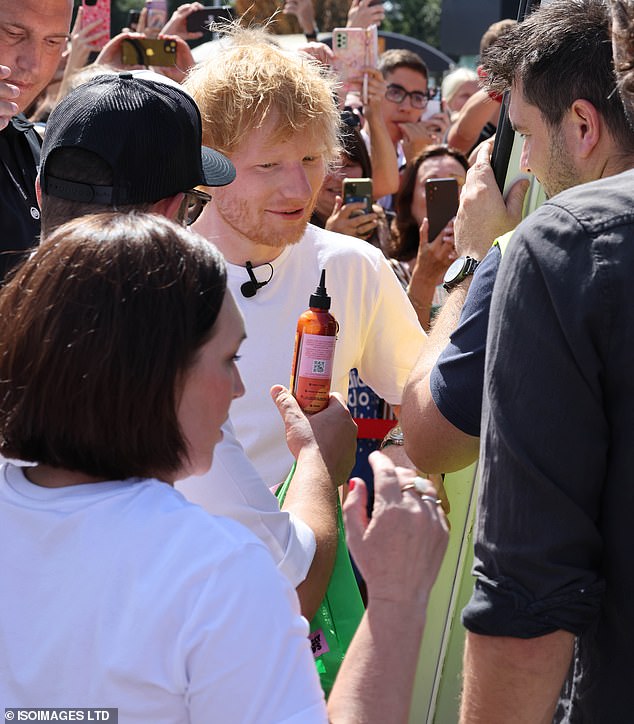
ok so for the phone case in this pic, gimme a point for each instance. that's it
(94, 10)
(354, 48)
(441, 195)
(358, 189)
(156, 16)
(148, 51)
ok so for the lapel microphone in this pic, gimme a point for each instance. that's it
(249, 289)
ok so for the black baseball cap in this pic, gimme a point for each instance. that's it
(149, 133)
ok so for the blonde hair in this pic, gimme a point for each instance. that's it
(453, 81)
(250, 80)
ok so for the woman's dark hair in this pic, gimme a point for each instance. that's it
(404, 241)
(97, 328)
(354, 147)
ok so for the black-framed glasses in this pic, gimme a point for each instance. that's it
(397, 94)
(192, 205)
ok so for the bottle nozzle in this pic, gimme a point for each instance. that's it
(320, 298)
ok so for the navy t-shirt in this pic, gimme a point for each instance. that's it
(457, 378)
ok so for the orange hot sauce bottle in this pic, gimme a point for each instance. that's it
(314, 352)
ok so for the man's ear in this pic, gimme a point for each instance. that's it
(38, 191)
(169, 206)
(586, 127)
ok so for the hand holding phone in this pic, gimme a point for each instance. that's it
(200, 20)
(357, 190)
(97, 11)
(355, 49)
(442, 197)
(148, 51)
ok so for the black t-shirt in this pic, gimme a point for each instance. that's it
(19, 212)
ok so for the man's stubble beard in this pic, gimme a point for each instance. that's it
(235, 215)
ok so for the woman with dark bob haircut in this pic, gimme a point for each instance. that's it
(118, 348)
(106, 318)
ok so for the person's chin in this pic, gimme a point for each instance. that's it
(288, 231)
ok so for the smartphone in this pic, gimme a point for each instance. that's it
(442, 197)
(133, 19)
(148, 51)
(434, 104)
(94, 10)
(200, 20)
(358, 189)
(503, 145)
(354, 49)
(156, 16)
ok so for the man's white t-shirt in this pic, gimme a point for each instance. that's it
(123, 594)
(379, 334)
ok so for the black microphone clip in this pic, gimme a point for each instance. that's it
(249, 289)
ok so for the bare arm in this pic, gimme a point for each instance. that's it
(83, 41)
(519, 680)
(399, 552)
(432, 260)
(385, 175)
(324, 447)
(431, 441)
(474, 115)
(435, 444)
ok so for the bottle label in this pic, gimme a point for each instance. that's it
(315, 356)
(314, 371)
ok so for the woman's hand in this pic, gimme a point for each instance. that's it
(346, 219)
(177, 24)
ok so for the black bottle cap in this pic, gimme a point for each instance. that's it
(320, 298)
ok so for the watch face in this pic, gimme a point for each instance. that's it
(454, 269)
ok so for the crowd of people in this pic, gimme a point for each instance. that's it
(144, 425)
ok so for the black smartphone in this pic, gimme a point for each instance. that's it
(148, 51)
(358, 189)
(200, 20)
(442, 197)
(503, 145)
(133, 19)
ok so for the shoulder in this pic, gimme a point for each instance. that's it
(152, 508)
(587, 211)
(576, 235)
(332, 245)
(599, 205)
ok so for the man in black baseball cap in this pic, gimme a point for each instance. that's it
(126, 141)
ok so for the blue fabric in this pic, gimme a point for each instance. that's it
(363, 402)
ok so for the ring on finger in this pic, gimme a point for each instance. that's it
(431, 499)
(419, 491)
(418, 484)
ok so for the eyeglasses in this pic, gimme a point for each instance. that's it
(397, 94)
(192, 205)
